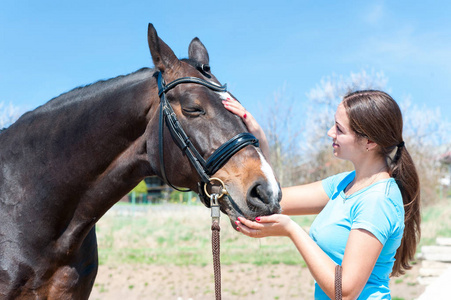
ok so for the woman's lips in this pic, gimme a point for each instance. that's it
(335, 145)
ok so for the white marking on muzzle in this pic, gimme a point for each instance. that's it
(269, 173)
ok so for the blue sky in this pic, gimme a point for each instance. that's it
(257, 47)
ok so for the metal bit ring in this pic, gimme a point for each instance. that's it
(223, 189)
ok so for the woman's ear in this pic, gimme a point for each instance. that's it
(370, 145)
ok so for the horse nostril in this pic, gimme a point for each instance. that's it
(263, 199)
(261, 193)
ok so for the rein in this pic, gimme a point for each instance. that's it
(205, 168)
(215, 238)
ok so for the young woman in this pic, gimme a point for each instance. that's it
(368, 219)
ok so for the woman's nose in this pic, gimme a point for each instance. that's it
(332, 133)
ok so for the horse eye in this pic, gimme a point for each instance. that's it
(193, 111)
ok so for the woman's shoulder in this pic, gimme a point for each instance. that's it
(384, 194)
(380, 210)
(338, 182)
(386, 188)
(337, 178)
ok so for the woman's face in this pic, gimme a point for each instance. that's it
(345, 142)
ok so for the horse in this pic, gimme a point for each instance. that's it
(64, 164)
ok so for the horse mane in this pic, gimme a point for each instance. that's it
(105, 83)
(102, 84)
(82, 92)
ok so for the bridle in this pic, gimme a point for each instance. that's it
(205, 168)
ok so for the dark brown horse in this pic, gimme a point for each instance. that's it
(63, 165)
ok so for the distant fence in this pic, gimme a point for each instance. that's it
(171, 197)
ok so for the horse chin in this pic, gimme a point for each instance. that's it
(233, 210)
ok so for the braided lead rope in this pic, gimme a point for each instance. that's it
(215, 242)
(338, 290)
(215, 247)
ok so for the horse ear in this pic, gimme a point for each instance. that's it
(163, 57)
(198, 52)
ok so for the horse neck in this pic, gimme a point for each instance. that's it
(92, 140)
(74, 157)
(104, 124)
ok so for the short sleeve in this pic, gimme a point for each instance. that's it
(378, 215)
(330, 184)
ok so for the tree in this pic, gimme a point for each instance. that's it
(8, 114)
(296, 131)
(322, 104)
(304, 154)
(283, 134)
(427, 136)
(140, 189)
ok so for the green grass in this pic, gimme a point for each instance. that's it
(181, 235)
(435, 222)
(184, 238)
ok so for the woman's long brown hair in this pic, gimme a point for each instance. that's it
(377, 117)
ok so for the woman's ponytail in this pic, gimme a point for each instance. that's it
(403, 170)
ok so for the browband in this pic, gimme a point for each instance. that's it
(165, 88)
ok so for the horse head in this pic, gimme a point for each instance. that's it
(252, 189)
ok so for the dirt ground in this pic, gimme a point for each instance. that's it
(241, 281)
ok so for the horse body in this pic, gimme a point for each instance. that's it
(67, 162)
(54, 186)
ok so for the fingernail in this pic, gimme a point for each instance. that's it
(238, 228)
(237, 222)
(244, 116)
(257, 219)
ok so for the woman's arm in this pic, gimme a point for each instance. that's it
(297, 200)
(361, 253)
(304, 199)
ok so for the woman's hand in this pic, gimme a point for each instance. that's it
(252, 125)
(273, 225)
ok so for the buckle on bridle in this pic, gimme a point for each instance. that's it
(222, 189)
(215, 209)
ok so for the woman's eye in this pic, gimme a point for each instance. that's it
(338, 129)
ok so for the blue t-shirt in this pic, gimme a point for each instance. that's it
(378, 209)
